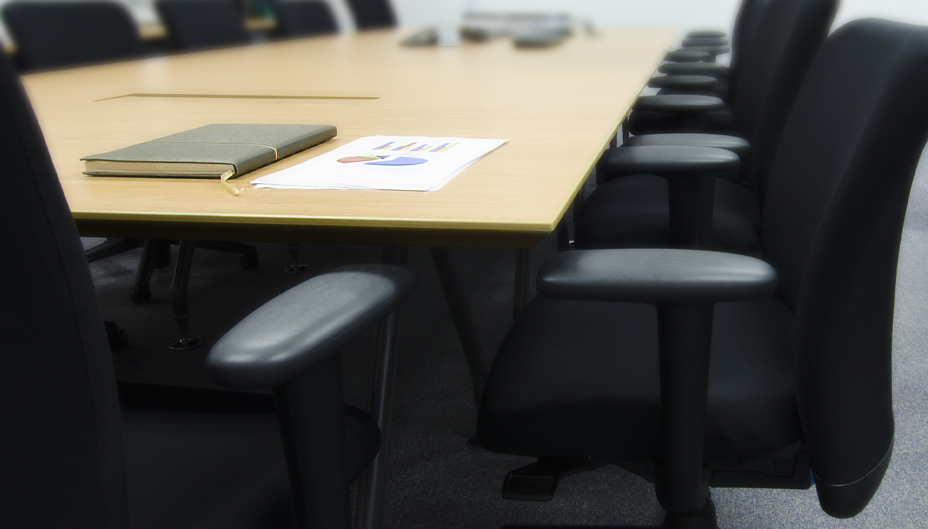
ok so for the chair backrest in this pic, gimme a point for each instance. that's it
(56, 34)
(301, 18)
(832, 226)
(60, 435)
(372, 14)
(746, 23)
(197, 24)
(789, 34)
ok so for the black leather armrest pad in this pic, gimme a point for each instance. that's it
(693, 68)
(688, 56)
(307, 324)
(739, 146)
(706, 34)
(655, 276)
(679, 104)
(711, 50)
(684, 82)
(689, 42)
(668, 161)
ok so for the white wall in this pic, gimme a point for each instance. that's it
(683, 13)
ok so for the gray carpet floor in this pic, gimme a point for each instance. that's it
(435, 480)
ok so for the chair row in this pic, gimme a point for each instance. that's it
(727, 318)
(62, 33)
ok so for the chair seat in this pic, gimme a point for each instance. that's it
(581, 379)
(633, 212)
(647, 122)
(178, 458)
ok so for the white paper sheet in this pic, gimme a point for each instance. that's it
(403, 163)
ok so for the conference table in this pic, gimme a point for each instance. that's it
(559, 107)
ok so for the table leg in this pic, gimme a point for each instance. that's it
(179, 296)
(563, 235)
(141, 291)
(373, 482)
(463, 320)
(523, 275)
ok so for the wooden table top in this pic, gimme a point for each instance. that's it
(559, 106)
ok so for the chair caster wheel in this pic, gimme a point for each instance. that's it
(296, 269)
(139, 296)
(185, 344)
(248, 261)
(117, 338)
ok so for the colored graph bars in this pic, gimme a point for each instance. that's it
(404, 147)
(444, 147)
(421, 148)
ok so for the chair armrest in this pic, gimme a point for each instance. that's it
(688, 56)
(693, 68)
(706, 34)
(689, 42)
(655, 276)
(679, 104)
(713, 51)
(667, 161)
(735, 144)
(688, 83)
(306, 325)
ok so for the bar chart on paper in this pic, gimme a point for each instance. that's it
(416, 147)
(385, 162)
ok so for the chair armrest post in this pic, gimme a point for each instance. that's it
(691, 174)
(684, 286)
(684, 338)
(691, 202)
(310, 411)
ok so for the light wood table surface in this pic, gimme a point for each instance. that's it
(559, 106)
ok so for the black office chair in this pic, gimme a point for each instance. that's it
(725, 79)
(611, 363)
(753, 24)
(199, 24)
(633, 209)
(171, 457)
(61, 34)
(372, 14)
(303, 18)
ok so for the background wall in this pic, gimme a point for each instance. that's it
(683, 13)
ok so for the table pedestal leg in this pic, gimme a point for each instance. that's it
(463, 320)
(523, 274)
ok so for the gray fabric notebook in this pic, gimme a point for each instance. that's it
(210, 151)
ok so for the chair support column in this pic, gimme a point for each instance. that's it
(691, 203)
(372, 486)
(311, 414)
(685, 337)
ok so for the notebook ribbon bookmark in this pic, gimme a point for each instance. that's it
(223, 179)
(224, 182)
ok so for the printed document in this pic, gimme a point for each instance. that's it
(404, 163)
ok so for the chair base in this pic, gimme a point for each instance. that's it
(704, 519)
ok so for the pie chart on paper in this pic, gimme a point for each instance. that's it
(383, 160)
(400, 160)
